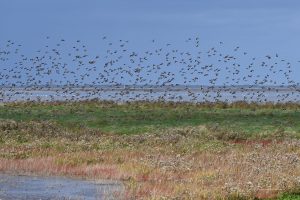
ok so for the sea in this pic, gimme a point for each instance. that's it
(274, 94)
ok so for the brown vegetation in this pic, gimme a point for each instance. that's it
(184, 163)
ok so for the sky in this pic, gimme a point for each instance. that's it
(260, 27)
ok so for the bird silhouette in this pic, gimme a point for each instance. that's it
(67, 71)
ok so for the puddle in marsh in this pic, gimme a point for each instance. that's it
(28, 187)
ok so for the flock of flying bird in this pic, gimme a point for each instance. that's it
(62, 70)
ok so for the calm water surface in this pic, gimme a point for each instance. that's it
(36, 188)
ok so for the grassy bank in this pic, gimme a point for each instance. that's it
(159, 150)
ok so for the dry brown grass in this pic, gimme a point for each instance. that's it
(182, 163)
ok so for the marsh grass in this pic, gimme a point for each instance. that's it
(159, 150)
(141, 117)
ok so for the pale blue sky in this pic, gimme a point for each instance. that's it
(260, 27)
